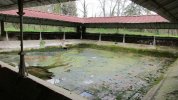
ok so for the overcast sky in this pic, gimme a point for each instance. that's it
(94, 8)
(92, 5)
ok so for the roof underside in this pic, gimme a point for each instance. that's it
(12, 4)
(166, 8)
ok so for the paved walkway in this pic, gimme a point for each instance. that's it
(169, 87)
(15, 45)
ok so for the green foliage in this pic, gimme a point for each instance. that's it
(119, 97)
(38, 28)
(130, 32)
(133, 9)
(49, 49)
(69, 8)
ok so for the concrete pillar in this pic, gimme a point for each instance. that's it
(40, 33)
(7, 36)
(81, 37)
(123, 38)
(64, 36)
(40, 36)
(81, 30)
(154, 41)
(100, 37)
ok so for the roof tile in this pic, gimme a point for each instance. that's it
(116, 19)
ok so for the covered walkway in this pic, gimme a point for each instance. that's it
(44, 18)
(166, 8)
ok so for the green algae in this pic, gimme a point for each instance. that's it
(40, 72)
(114, 48)
(99, 68)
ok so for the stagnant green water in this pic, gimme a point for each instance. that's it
(98, 74)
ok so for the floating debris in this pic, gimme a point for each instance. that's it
(88, 82)
(93, 57)
(86, 94)
(54, 81)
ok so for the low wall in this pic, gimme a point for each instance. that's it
(162, 41)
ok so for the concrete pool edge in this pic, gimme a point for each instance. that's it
(44, 86)
(112, 43)
(163, 88)
(34, 44)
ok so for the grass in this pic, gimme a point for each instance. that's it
(38, 28)
(172, 95)
(128, 32)
(46, 28)
(45, 49)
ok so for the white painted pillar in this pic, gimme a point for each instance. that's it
(7, 36)
(123, 39)
(64, 36)
(81, 35)
(100, 37)
(40, 36)
(40, 33)
(154, 41)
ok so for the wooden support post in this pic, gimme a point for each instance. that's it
(22, 68)
(83, 29)
(2, 28)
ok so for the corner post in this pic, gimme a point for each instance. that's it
(2, 28)
(20, 12)
(83, 31)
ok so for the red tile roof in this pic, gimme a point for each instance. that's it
(120, 19)
(127, 19)
(44, 15)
